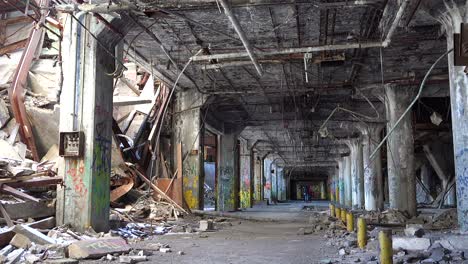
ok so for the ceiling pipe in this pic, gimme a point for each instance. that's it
(375, 44)
(240, 32)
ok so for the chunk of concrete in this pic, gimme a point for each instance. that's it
(206, 225)
(411, 243)
(414, 230)
(20, 241)
(97, 248)
(33, 235)
(132, 259)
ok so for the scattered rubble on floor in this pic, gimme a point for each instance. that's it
(423, 239)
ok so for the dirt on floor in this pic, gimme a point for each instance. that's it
(240, 241)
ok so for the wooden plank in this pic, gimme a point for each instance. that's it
(159, 191)
(13, 47)
(29, 209)
(6, 216)
(163, 165)
(17, 20)
(179, 160)
(36, 182)
(168, 185)
(19, 194)
(7, 235)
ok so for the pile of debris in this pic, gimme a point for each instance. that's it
(390, 216)
(62, 245)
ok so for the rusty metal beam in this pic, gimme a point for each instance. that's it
(16, 91)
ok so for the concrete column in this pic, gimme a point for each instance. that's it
(87, 107)
(357, 175)
(186, 130)
(281, 191)
(245, 175)
(267, 178)
(227, 172)
(341, 183)
(373, 182)
(258, 185)
(274, 182)
(323, 191)
(400, 150)
(348, 182)
(452, 18)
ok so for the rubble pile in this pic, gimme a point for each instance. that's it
(389, 216)
(62, 245)
(446, 219)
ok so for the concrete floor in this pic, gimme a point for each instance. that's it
(247, 241)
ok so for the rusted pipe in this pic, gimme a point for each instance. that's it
(240, 32)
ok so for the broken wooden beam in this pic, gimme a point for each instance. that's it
(7, 235)
(37, 182)
(15, 46)
(159, 191)
(10, 190)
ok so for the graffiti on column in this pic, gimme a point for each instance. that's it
(245, 195)
(101, 161)
(191, 181)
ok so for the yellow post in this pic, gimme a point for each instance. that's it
(337, 194)
(362, 232)
(386, 251)
(337, 212)
(349, 221)
(343, 215)
(332, 210)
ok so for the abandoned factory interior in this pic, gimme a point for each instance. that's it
(234, 131)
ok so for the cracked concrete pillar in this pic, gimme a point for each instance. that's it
(86, 106)
(373, 182)
(400, 150)
(357, 175)
(451, 19)
(348, 194)
(187, 122)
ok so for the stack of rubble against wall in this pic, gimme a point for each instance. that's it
(28, 190)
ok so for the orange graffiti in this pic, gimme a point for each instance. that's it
(76, 174)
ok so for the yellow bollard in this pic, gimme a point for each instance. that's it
(343, 215)
(332, 210)
(349, 222)
(337, 212)
(386, 251)
(362, 233)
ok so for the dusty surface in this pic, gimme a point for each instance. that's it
(246, 241)
(243, 242)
